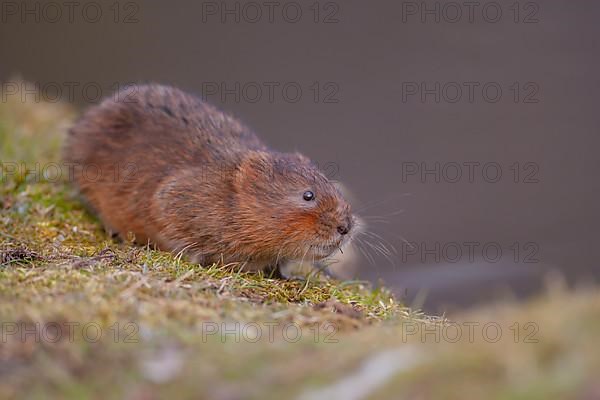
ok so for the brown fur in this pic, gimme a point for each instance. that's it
(181, 175)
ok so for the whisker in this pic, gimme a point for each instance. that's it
(406, 241)
(364, 251)
(385, 243)
(304, 255)
(383, 216)
(380, 202)
(376, 219)
(378, 247)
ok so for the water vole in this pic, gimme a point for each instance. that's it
(176, 172)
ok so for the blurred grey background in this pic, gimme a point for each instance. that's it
(393, 98)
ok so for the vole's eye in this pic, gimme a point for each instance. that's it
(308, 195)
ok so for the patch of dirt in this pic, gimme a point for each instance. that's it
(10, 255)
(87, 262)
(339, 308)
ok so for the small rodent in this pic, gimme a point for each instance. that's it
(178, 173)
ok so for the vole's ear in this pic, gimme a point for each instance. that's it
(254, 169)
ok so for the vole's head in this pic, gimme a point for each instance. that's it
(291, 209)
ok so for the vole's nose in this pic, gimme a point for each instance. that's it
(344, 228)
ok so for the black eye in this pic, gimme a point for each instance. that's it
(308, 195)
